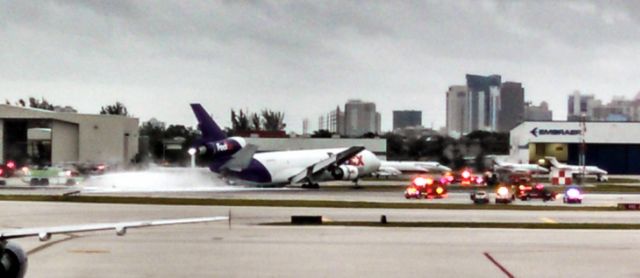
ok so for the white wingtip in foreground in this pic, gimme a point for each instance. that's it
(13, 260)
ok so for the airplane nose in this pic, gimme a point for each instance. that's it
(445, 168)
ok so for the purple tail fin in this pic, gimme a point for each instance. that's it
(210, 130)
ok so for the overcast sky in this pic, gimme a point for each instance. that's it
(306, 57)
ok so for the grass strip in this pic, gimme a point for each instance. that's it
(285, 203)
(612, 188)
(475, 225)
(597, 188)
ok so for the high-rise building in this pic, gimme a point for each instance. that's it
(484, 104)
(484, 101)
(406, 118)
(335, 121)
(360, 118)
(579, 104)
(457, 111)
(538, 113)
(305, 126)
(321, 122)
(628, 108)
(510, 106)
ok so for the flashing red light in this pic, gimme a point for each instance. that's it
(420, 181)
(479, 180)
(539, 186)
(450, 178)
(11, 164)
(429, 181)
(466, 174)
(1, 171)
(101, 167)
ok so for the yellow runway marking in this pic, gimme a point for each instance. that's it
(548, 220)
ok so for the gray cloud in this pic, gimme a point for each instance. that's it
(306, 57)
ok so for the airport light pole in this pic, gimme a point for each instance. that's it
(583, 147)
(192, 153)
(164, 150)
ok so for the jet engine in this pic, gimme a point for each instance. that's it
(345, 172)
(13, 261)
(227, 146)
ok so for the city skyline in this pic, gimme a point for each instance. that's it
(303, 58)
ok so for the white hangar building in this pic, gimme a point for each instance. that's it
(30, 135)
(613, 146)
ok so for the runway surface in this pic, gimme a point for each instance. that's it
(246, 249)
(326, 194)
(366, 195)
(200, 183)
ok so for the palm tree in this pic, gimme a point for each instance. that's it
(273, 121)
(115, 109)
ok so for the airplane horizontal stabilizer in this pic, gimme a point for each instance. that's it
(241, 160)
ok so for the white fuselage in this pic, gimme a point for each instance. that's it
(524, 168)
(285, 164)
(412, 167)
(576, 169)
(588, 170)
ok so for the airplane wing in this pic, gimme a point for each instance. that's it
(120, 228)
(336, 159)
(241, 160)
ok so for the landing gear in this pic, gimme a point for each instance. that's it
(229, 181)
(601, 178)
(356, 185)
(311, 185)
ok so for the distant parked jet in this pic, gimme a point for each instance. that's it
(396, 168)
(518, 168)
(601, 175)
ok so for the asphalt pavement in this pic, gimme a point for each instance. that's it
(247, 249)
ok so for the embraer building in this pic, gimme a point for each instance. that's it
(36, 136)
(613, 146)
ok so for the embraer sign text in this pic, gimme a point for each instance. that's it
(539, 131)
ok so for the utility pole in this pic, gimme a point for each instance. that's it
(583, 147)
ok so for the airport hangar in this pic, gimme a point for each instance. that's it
(55, 137)
(613, 146)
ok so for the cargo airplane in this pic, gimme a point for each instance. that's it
(234, 159)
(13, 259)
(601, 174)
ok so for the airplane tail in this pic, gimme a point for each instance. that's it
(210, 130)
(554, 162)
(494, 160)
